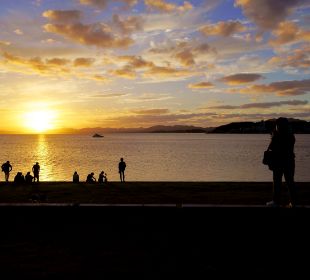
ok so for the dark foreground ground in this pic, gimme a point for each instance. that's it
(152, 242)
(89, 242)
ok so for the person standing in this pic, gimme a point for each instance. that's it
(75, 177)
(6, 168)
(121, 169)
(282, 147)
(36, 171)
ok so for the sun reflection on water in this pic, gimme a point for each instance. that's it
(43, 156)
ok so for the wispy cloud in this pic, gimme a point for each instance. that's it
(262, 105)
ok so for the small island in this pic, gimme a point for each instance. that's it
(97, 135)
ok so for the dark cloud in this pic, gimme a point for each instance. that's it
(284, 88)
(263, 105)
(267, 14)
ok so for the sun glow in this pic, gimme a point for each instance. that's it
(39, 121)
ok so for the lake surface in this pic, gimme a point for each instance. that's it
(149, 156)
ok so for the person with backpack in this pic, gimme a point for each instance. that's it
(283, 163)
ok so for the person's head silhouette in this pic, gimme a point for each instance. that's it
(282, 125)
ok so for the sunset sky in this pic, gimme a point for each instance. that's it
(138, 63)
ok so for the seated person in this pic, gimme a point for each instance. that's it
(76, 177)
(90, 178)
(102, 177)
(28, 178)
(19, 178)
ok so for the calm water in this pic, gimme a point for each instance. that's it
(149, 157)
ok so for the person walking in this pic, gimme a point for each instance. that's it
(6, 168)
(283, 162)
(36, 172)
(121, 169)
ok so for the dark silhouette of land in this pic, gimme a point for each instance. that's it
(264, 126)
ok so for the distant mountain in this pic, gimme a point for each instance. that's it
(175, 129)
(297, 126)
(152, 129)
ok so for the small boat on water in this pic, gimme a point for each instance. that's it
(97, 135)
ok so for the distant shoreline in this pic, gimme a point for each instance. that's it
(218, 193)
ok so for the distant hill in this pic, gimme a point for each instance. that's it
(152, 129)
(297, 126)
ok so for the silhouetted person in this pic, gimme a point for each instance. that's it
(28, 178)
(19, 178)
(90, 178)
(75, 177)
(102, 177)
(36, 172)
(282, 145)
(6, 168)
(121, 169)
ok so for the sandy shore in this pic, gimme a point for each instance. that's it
(229, 193)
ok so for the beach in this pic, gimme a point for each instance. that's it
(151, 230)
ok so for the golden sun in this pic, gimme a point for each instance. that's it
(39, 121)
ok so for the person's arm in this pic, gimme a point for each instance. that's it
(11, 167)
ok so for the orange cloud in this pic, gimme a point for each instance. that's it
(289, 32)
(151, 112)
(63, 16)
(129, 25)
(298, 58)
(166, 71)
(241, 78)
(103, 35)
(5, 43)
(102, 4)
(163, 6)
(125, 72)
(223, 28)
(57, 61)
(201, 85)
(91, 34)
(50, 66)
(83, 62)
(185, 52)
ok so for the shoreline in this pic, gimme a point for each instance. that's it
(143, 193)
